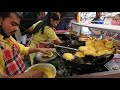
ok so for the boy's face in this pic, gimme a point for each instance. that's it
(10, 24)
(41, 15)
(116, 20)
(54, 23)
(98, 14)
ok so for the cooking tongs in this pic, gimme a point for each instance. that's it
(65, 47)
(59, 46)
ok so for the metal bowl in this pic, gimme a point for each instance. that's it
(47, 68)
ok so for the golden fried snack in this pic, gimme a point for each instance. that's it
(104, 52)
(99, 53)
(90, 52)
(83, 39)
(100, 48)
(83, 36)
(49, 54)
(79, 54)
(92, 48)
(83, 48)
(68, 56)
(97, 47)
(90, 43)
(93, 38)
(113, 50)
(105, 40)
(99, 43)
(109, 44)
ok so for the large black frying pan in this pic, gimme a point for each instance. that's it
(90, 63)
(87, 62)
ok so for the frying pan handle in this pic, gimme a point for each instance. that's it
(107, 58)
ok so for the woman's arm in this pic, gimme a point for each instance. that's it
(34, 50)
(95, 32)
(50, 33)
(57, 41)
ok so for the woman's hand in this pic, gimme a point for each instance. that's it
(43, 50)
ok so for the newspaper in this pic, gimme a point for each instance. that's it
(113, 64)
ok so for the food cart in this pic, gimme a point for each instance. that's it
(109, 73)
(78, 70)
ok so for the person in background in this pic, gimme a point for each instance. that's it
(24, 39)
(84, 30)
(11, 60)
(40, 15)
(43, 31)
(73, 20)
(115, 21)
(62, 24)
(97, 20)
(113, 35)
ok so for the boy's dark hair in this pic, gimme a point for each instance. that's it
(45, 22)
(7, 14)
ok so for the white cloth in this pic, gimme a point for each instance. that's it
(86, 31)
(23, 39)
(71, 21)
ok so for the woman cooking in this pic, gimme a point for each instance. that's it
(43, 31)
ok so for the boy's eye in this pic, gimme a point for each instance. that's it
(14, 24)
